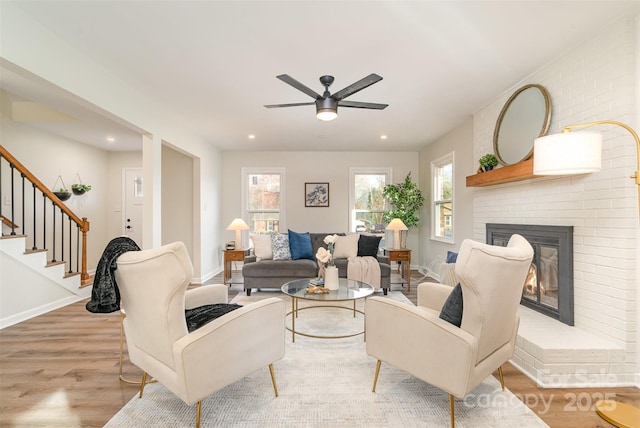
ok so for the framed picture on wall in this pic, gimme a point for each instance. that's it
(316, 194)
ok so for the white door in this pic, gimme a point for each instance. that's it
(133, 203)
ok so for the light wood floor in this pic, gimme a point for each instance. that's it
(61, 369)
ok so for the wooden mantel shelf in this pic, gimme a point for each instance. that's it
(507, 174)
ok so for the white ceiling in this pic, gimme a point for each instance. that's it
(212, 64)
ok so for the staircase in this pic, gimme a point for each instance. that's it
(44, 262)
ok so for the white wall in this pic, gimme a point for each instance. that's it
(48, 156)
(24, 291)
(301, 167)
(596, 81)
(458, 141)
(177, 198)
(94, 85)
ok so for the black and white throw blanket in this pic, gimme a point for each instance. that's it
(105, 296)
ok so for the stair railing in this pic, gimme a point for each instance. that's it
(19, 199)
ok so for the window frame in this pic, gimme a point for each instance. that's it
(449, 158)
(246, 172)
(353, 171)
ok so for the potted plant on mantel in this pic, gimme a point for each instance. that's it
(487, 162)
(406, 200)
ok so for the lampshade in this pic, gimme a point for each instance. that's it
(326, 109)
(238, 225)
(396, 225)
(567, 153)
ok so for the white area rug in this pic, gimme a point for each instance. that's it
(327, 383)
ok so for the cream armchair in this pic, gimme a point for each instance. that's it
(455, 359)
(153, 287)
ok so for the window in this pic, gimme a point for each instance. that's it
(442, 198)
(366, 200)
(263, 198)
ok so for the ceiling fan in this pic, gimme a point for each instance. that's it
(327, 104)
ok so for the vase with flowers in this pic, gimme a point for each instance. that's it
(328, 268)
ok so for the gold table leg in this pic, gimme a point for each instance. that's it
(294, 314)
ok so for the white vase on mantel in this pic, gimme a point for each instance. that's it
(331, 278)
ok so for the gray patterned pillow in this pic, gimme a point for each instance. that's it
(280, 246)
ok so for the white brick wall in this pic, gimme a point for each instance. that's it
(595, 81)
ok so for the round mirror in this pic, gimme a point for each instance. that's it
(524, 117)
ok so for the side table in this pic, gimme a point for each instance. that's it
(402, 255)
(231, 256)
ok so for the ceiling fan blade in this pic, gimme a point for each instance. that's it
(299, 86)
(358, 86)
(289, 105)
(358, 104)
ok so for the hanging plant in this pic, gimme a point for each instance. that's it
(79, 188)
(62, 193)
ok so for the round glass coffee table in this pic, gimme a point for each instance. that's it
(349, 290)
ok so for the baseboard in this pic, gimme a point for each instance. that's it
(207, 277)
(32, 313)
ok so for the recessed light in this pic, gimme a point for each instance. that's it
(252, 137)
(383, 137)
(111, 139)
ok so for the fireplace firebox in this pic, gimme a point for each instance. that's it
(548, 288)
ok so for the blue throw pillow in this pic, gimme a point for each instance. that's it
(300, 245)
(452, 308)
(451, 257)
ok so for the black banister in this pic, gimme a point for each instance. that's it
(70, 271)
(44, 220)
(13, 223)
(1, 186)
(62, 234)
(23, 223)
(53, 235)
(35, 191)
(77, 247)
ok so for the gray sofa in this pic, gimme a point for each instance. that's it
(274, 273)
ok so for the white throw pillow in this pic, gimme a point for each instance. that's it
(346, 246)
(261, 246)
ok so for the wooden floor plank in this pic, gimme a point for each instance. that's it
(61, 369)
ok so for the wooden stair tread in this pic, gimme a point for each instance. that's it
(37, 250)
(49, 264)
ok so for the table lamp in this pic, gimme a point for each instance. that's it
(238, 225)
(396, 225)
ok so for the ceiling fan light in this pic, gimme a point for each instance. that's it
(326, 114)
(326, 109)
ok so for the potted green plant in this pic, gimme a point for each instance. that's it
(80, 189)
(63, 194)
(406, 199)
(488, 162)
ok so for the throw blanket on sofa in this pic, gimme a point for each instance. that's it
(105, 296)
(365, 269)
